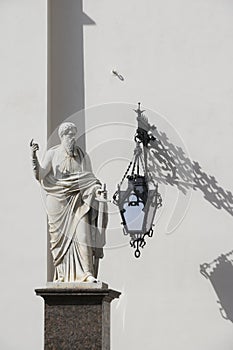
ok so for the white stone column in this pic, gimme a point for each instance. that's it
(65, 69)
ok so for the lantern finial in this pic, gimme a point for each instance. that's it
(139, 111)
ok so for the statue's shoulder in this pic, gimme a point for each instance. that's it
(79, 151)
(51, 151)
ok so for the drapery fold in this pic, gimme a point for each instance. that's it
(76, 241)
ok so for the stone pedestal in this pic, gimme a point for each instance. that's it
(77, 318)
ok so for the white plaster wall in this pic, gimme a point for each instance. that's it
(176, 58)
(23, 221)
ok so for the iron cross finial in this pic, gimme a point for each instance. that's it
(139, 111)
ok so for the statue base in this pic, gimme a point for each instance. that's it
(77, 285)
(77, 317)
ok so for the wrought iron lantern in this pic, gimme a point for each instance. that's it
(139, 202)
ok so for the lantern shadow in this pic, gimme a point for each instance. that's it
(220, 274)
(169, 165)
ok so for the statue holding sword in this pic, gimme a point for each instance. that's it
(76, 205)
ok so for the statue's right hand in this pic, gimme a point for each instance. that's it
(34, 146)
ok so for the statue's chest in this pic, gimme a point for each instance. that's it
(63, 164)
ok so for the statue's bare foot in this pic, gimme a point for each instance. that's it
(91, 279)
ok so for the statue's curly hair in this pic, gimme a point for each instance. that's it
(64, 127)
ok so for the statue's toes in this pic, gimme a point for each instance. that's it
(91, 279)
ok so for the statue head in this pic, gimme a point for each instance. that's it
(66, 128)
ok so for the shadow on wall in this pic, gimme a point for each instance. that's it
(168, 164)
(66, 63)
(220, 274)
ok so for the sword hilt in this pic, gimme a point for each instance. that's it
(103, 195)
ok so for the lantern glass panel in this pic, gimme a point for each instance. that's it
(134, 214)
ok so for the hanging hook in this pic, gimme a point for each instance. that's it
(114, 72)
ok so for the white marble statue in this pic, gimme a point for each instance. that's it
(73, 200)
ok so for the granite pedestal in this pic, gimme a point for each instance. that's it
(77, 317)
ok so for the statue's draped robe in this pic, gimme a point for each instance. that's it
(76, 240)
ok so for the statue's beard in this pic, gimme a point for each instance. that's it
(68, 144)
